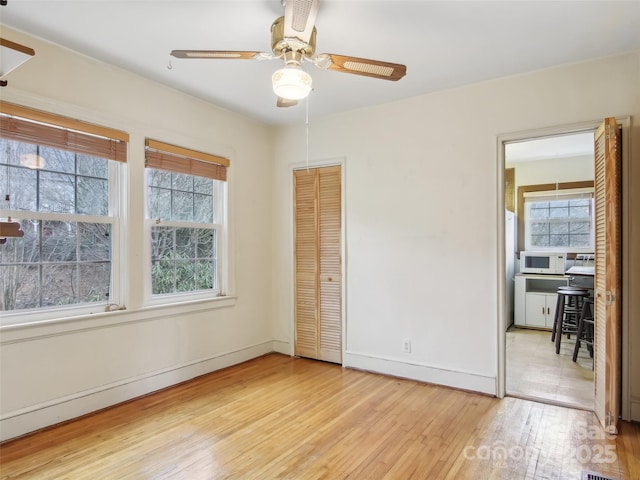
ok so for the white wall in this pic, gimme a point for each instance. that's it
(557, 170)
(422, 214)
(52, 372)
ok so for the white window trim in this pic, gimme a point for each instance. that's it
(220, 197)
(117, 175)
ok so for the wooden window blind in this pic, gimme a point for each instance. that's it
(27, 125)
(165, 156)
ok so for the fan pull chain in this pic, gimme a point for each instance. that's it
(306, 121)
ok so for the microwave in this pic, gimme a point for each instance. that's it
(552, 263)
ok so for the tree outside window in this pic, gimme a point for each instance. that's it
(183, 212)
(64, 257)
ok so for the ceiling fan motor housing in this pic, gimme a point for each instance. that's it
(280, 44)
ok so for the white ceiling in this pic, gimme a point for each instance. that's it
(444, 44)
(550, 148)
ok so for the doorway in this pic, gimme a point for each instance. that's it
(612, 391)
(549, 207)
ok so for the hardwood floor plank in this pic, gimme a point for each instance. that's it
(290, 418)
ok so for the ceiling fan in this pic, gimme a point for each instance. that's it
(293, 39)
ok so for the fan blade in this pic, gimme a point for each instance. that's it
(361, 66)
(284, 102)
(299, 18)
(223, 54)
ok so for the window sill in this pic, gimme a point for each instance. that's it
(20, 332)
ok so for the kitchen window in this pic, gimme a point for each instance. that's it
(559, 220)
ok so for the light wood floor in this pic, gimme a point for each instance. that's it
(282, 417)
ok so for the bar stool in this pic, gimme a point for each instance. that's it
(568, 310)
(585, 332)
(560, 307)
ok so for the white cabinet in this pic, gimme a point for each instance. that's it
(535, 299)
(540, 309)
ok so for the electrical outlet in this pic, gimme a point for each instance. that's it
(406, 345)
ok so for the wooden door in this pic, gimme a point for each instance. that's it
(318, 263)
(607, 275)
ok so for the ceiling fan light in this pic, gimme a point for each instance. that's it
(32, 161)
(291, 83)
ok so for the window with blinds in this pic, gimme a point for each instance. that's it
(559, 220)
(59, 180)
(186, 192)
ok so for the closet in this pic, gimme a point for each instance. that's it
(318, 263)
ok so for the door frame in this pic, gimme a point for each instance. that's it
(501, 140)
(329, 162)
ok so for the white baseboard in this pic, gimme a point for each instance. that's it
(635, 409)
(420, 372)
(35, 417)
(280, 346)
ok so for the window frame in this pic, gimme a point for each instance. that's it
(220, 226)
(547, 187)
(568, 194)
(114, 217)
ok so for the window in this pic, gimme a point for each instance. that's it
(61, 185)
(560, 221)
(185, 219)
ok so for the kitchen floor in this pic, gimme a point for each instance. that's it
(535, 371)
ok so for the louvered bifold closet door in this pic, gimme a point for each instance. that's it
(318, 265)
(607, 275)
(306, 263)
(329, 215)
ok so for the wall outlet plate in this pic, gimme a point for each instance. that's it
(406, 345)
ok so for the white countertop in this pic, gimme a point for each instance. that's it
(581, 270)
